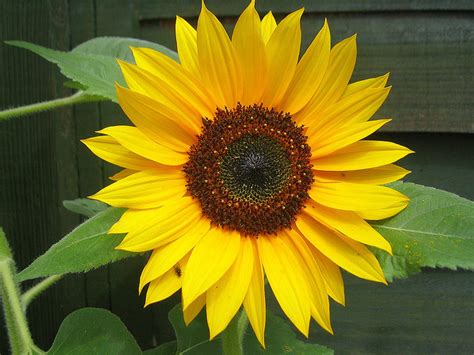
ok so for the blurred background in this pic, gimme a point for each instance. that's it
(426, 45)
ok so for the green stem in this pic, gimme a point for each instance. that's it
(233, 335)
(37, 350)
(34, 291)
(17, 326)
(76, 98)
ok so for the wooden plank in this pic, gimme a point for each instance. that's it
(161, 9)
(36, 162)
(443, 161)
(430, 57)
(89, 167)
(429, 313)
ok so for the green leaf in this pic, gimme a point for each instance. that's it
(93, 331)
(85, 248)
(93, 64)
(164, 349)
(119, 47)
(84, 206)
(281, 339)
(97, 73)
(435, 230)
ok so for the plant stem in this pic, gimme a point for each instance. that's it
(34, 291)
(37, 350)
(242, 325)
(233, 335)
(76, 98)
(17, 326)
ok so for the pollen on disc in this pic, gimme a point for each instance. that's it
(250, 170)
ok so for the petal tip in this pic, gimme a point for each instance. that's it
(298, 13)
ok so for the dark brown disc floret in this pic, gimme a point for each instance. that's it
(250, 170)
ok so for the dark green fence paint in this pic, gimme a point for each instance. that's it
(427, 46)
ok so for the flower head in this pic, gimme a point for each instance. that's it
(245, 161)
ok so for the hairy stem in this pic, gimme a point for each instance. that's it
(233, 335)
(37, 289)
(17, 326)
(76, 98)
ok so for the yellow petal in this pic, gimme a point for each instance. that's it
(225, 297)
(132, 219)
(361, 155)
(167, 284)
(309, 72)
(377, 214)
(356, 197)
(218, 63)
(356, 108)
(375, 176)
(176, 78)
(186, 42)
(283, 49)
(194, 309)
(145, 83)
(349, 224)
(351, 256)
(268, 26)
(377, 82)
(341, 64)
(341, 137)
(178, 218)
(331, 274)
(164, 258)
(287, 280)
(108, 149)
(250, 49)
(136, 141)
(210, 259)
(163, 287)
(122, 174)
(254, 302)
(156, 120)
(316, 285)
(146, 189)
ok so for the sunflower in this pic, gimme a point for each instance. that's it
(245, 161)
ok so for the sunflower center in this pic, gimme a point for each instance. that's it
(250, 170)
(255, 168)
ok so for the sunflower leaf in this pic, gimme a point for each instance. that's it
(86, 247)
(119, 47)
(84, 206)
(168, 348)
(93, 64)
(280, 338)
(435, 230)
(93, 331)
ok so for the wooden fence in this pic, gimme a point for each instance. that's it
(427, 45)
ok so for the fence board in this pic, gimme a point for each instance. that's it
(36, 162)
(429, 313)
(87, 119)
(427, 45)
(160, 9)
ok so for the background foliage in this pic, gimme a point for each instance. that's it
(425, 46)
